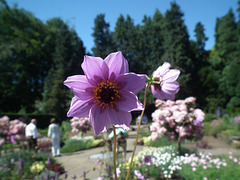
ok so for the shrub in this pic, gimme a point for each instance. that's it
(10, 164)
(72, 145)
(65, 129)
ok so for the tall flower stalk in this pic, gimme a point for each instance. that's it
(163, 86)
(139, 123)
(114, 153)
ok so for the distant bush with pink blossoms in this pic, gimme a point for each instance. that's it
(80, 125)
(12, 130)
(44, 143)
(177, 118)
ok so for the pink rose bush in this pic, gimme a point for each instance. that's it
(177, 118)
(13, 130)
(17, 129)
(4, 125)
(80, 124)
(44, 143)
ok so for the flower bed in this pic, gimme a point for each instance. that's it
(163, 163)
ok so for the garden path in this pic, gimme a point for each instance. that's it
(217, 147)
(78, 162)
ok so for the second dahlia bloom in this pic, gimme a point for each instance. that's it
(165, 85)
(105, 93)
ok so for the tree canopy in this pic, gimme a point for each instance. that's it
(36, 57)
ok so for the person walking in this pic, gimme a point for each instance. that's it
(54, 134)
(31, 135)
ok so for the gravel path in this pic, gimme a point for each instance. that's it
(218, 147)
(76, 163)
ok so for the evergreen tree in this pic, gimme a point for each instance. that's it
(177, 47)
(199, 57)
(200, 39)
(67, 58)
(157, 39)
(102, 38)
(226, 51)
(126, 40)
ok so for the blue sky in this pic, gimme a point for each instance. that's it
(80, 14)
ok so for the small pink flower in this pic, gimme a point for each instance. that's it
(139, 175)
(194, 169)
(154, 136)
(199, 115)
(165, 85)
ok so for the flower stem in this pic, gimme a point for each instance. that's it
(179, 138)
(139, 123)
(114, 152)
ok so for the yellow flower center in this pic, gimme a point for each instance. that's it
(106, 93)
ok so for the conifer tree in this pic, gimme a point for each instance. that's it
(177, 47)
(102, 37)
(67, 58)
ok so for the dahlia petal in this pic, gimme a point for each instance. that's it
(157, 92)
(129, 102)
(131, 82)
(79, 85)
(168, 96)
(117, 64)
(99, 119)
(172, 75)
(95, 69)
(79, 108)
(170, 87)
(162, 70)
(119, 118)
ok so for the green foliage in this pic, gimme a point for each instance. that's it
(24, 62)
(103, 39)
(210, 117)
(28, 158)
(72, 145)
(8, 146)
(65, 129)
(225, 126)
(232, 171)
(160, 142)
(67, 57)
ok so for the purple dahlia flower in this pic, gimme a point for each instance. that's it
(165, 85)
(105, 93)
(147, 159)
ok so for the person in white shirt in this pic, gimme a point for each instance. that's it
(31, 134)
(54, 134)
